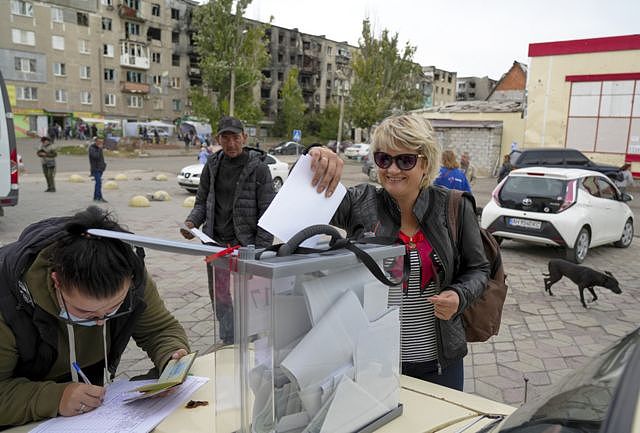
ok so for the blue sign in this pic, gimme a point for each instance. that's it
(297, 135)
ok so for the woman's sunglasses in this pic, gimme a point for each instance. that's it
(405, 161)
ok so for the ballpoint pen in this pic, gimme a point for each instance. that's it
(84, 377)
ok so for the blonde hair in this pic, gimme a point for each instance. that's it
(449, 159)
(413, 132)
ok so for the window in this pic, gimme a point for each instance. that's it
(134, 77)
(154, 33)
(109, 74)
(131, 29)
(21, 7)
(85, 97)
(59, 69)
(27, 93)
(175, 59)
(107, 2)
(109, 99)
(85, 72)
(603, 115)
(606, 189)
(329, 51)
(591, 186)
(25, 65)
(61, 95)
(57, 42)
(82, 18)
(83, 46)
(157, 80)
(280, 76)
(134, 101)
(175, 82)
(448, 91)
(23, 37)
(292, 59)
(133, 4)
(155, 10)
(107, 50)
(106, 24)
(176, 104)
(158, 104)
(175, 14)
(155, 57)
(175, 37)
(57, 15)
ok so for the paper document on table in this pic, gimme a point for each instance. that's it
(115, 416)
(298, 205)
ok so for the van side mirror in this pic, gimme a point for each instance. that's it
(626, 197)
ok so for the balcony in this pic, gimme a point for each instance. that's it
(128, 13)
(134, 61)
(194, 72)
(138, 88)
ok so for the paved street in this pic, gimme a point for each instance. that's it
(541, 338)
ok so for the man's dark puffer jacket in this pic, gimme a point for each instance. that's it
(366, 208)
(253, 195)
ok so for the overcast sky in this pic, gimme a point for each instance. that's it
(470, 37)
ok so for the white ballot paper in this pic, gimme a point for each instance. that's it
(297, 205)
(115, 416)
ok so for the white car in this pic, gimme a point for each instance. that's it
(571, 208)
(189, 176)
(357, 151)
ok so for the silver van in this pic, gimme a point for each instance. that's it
(8, 153)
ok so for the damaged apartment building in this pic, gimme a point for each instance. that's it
(323, 65)
(99, 60)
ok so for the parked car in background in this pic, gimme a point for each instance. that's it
(189, 176)
(369, 168)
(288, 148)
(9, 162)
(357, 151)
(571, 208)
(562, 158)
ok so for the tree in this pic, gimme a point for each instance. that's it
(293, 105)
(385, 78)
(232, 54)
(329, 119)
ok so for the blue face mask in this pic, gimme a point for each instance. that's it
(77, 320)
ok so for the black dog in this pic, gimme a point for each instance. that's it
(584, 277)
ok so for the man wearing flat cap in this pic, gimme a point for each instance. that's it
(235, 190)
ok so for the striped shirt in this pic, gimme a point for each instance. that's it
(417, 319)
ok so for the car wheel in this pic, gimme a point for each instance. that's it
(627, 235)
(277, 184)
(579, 251)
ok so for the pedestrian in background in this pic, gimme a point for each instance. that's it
(97, 166)
(204, 154)
(627, 178)
(505, 168)
(47, 153)
(468, 168)
(235, 190)
(451, 177)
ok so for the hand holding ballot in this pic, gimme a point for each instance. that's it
(327, 169)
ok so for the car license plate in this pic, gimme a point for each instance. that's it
(529, 224)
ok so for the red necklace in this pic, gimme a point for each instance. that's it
(411, 241)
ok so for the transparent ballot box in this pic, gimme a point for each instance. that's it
(317, 343)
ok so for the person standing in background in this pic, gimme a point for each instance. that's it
(505, 168)
(627, 178)
(48, 154)
(98, 166)
(468, 168)
(451, 177)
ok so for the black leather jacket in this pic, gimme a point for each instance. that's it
(366, 208)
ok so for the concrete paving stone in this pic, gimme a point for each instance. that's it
(537, 326)
(618, 330)
(552, 364)
(483, 358)
(522, 367)
(469, 385)
(509, 356)
(499, 382)
(531, 359)
(583, 339)
(538, 378)
(547, 311)
(525, 344)
(203, 328)
(500, 347)
(488, 391)
(531, 308)
(514, 396)
(576, 361)
(557, 375)
(556, 324)
(561, 336)
(569, 351)
(482, 371)
(535, 318)
(484, 347)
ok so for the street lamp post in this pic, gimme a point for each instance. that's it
(343, 88)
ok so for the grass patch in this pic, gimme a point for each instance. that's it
(72, 150)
